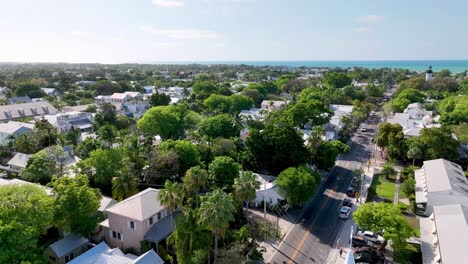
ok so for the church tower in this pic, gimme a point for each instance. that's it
(429, 74)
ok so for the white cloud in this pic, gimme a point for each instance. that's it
(361, 29)
(80, 33)
(369, 19)
(168, 3)
(179, 34)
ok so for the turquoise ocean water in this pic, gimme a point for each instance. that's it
(455, 66)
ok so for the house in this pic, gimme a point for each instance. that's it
(13, 129)
(413, 119)
(333, 127)
(54, 92)
(18, 181)
(67, 121)
(67, 248)
(442, 194)
(444, 235)
(255, 114)
(18, 162)
(138, 218)
(148, 89)
(26, 110)
(134, 108)
(272, 105)
(102, 253)
(267, 192)
(19, 100)
(440, 182)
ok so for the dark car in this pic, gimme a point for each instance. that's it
(367, 257)
(350, 192)
(360, 242)
(347, 202)
(369, 250)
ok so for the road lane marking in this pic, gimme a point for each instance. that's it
(306, 235)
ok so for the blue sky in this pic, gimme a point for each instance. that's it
(115, 31)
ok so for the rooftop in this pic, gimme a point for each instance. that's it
(12, 126)
(8, 112)
(140, 206)
(68, 244)
(19, 160)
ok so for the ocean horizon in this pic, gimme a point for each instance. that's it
(455, 66)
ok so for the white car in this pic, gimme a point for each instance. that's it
(345, 212)
(370, 236)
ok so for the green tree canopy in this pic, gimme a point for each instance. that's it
(336, 79)
(43, 165)
(159, 99)
(383, 218)
(222, 171)
(187, 152)
(454, 110)
(170, 122)
(407, 97)
(219, 126)
(298, 184)
(101, 166)
(106, 87)
(218, 103)
(26, 211)
(327, 152)
(203, 89)
(28, 89)
(437, 143)
(76, 204)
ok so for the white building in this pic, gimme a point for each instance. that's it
(268, 191)
(65, 122)
(19, 111)
(51, 91)
(335, 125)
(13, 129)
(442, 194)
(429, 74)
(131, 104)
(18, 162)
(413, 119)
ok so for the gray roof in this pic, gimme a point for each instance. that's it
(139, 206)
(12, 126)
(8, 112)
(19, 160)
(161, 229)
(443, 175)
(68, 244)
(103, 254)
(19, 99)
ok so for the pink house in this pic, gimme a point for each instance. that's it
(138, 218)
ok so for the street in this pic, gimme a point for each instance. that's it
(310, 240)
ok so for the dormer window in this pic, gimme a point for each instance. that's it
(131, 225)
(150, 220)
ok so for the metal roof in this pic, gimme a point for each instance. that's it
(68, 244)
(140, 206)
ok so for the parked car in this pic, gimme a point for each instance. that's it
(358, 241)
(370, 236)
(345, 212)
(370, 250)
(363, 128)
(350, 192)
(347, 202)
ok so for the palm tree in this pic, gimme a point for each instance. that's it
(170, 197)
(124, 186)
(245, 186)
(195, 178)
(215, 213)
(388, 170)
(187, 233)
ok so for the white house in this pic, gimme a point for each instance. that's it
(413, 119)
(19, 111)
(335, 125)
(13, 129)
(51, 92)
(268, 191)
(65, 122)
(18, 162)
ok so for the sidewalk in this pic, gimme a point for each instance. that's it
(270, 246)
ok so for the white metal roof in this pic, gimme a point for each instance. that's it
(139, 206)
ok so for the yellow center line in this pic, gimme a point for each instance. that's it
(307, 232)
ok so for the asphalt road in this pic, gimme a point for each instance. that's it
(310, 240)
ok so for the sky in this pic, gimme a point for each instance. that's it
(151, 31)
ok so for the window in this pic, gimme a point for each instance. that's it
(114, 234)
(151, 220)
(69, 257)
(132, 225)
(119, 237)
(159, 215)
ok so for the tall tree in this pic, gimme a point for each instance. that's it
(195, 179)
(245, 187)
(124, 185)
(171, 196)
(219, 126)
(216, 213)
(388, 170)
(76, 204)
(188, 236)
(26, 211)
(298, 184)
(383, 218)
(222, 171)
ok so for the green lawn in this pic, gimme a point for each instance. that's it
(414, 223)
(382, 187)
